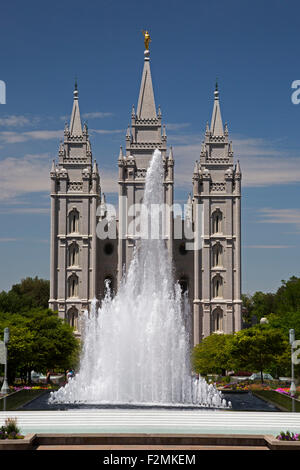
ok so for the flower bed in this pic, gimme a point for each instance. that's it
(288, 436)
(10, 430)
(247, 385)
(244, 386)
(286, 391)
(33, 387)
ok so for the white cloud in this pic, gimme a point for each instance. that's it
(185, 157)
(35, 240)
(30, 174)
(10, 137)
(14, 121)
(19, 176)
(177, 126)
(280, 216)
(109, 180)
(261, 162)
(107, 131)
(272, 247)
(44, 135)
(264, 165)
(26, 210)
(97, 114)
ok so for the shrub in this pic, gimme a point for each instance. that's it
(10, 430)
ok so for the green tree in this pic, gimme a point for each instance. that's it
(284, 322)
(287, 298)
(262, 304)
(39, 340)
(258, 348)
(247, 308)
(28, 294)
(212, 354)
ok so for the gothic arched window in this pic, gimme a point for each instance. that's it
(74, 255)
(72, 318)
(217, 221)
(108, 284)
(184, 284)
(73, 286)
(217, 252)
(217, 320)
(217, 286)
(74, 221)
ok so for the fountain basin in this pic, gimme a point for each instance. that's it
(149, 421)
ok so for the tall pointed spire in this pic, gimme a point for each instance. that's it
(238, 168)
(53, 169)
(216, 127)
(146, 105)
(75, 122)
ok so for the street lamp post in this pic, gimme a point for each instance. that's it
(5, 387)
(293, 386)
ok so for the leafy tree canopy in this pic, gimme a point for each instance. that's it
(285, 300)
(259, 348)
(30, 293)
(39, 340)
(212, 355)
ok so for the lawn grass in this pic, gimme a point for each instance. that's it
(16, 400)
(276, 398)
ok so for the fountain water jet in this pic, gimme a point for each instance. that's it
(136, 348)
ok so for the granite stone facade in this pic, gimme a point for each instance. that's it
(208, 266)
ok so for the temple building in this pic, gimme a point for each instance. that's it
(207, 266)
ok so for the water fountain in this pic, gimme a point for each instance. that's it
(136, 348)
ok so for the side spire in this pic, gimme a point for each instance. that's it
(146, 105)
(75, 122)
(216, 127)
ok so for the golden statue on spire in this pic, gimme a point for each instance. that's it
(147, 39)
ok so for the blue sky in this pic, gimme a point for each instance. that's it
(251, 46)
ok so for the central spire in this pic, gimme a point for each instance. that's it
(216, 127)
(75, 122)
(146, 104)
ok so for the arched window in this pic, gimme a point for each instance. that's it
(74, 255)
(108, 284)
(217, 286)
(73, 286)
(72, 318)
(217, 255)
(217, 320)
(74, 221)
(217, 221)
(184, 284)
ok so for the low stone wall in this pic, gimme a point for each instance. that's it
(151, 439)
(28, 443)
(33, 441)
(275, 444)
